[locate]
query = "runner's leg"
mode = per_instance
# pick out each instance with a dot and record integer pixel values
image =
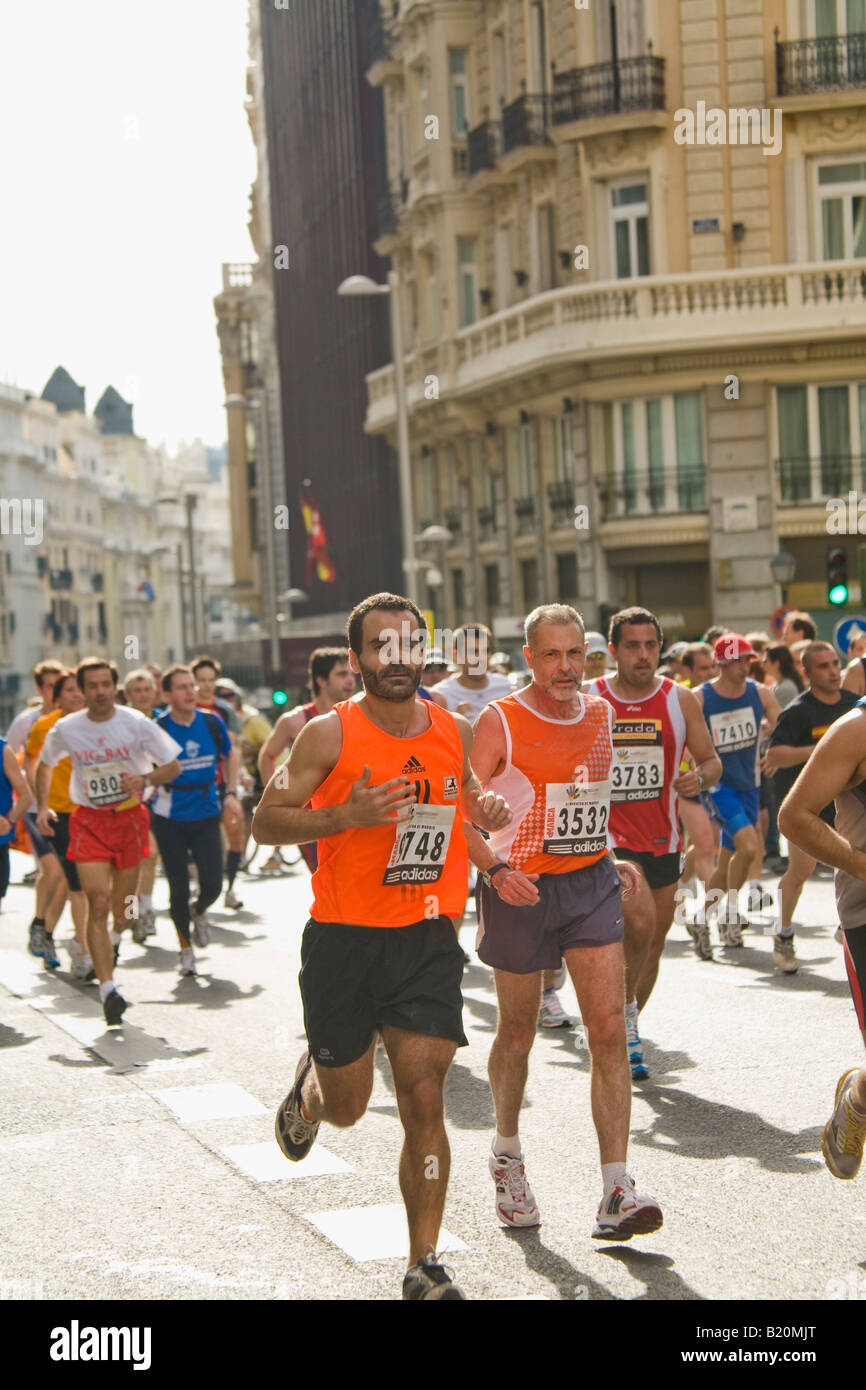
(339, 1095)
(205, 843)
(598, 973)
(419, 1066)
(124, 900)
(639, 914)
(700, 832)
(96, 883)
(508, 1066)
(171, 837)
(664, 900)
(800, 868)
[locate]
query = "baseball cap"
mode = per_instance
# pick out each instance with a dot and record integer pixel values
(674, 650)
(224, 683)
(595, 643)
(730, 646)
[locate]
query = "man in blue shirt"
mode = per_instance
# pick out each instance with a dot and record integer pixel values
(185, 813)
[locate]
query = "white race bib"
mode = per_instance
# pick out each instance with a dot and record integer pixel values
(102, 784)
(734, 728)
(637, 774)
(575, 817)
(420, 845)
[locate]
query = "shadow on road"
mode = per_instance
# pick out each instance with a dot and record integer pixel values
(10, 1037)
(570, 1283)
(655, 1271)
(468, 1101)
(208, 992)
(703, 1128)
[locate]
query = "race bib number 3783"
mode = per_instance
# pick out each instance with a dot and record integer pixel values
(575, 817)
(420, 845)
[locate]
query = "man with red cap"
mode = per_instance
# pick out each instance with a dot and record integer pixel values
(734, 707)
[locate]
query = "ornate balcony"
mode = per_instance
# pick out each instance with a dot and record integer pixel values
(816, 479)
(485, 146)
(560, 496)
(607, 89)
(526, 121)
(678, 489)
(524, 510)
(486, 523)
(807, 66)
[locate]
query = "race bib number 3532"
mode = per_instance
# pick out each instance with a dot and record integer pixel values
(575, 817)
(420, 845)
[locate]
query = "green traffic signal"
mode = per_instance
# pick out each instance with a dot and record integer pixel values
(838, 594)
(280, 697)
(837, 576)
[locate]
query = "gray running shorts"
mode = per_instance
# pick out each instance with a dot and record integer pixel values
(581, 908)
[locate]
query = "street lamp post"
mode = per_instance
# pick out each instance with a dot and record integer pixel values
(256, 404)
(363, 285)
(189, 502)
(783, 567)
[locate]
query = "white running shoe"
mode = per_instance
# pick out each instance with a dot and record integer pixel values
(845, 1133)
(731, 933)
(623, 1214)
(515, 1204)
(560, 976)
(784, 954)
(148, 918)
(200, 928)
(187, 961)
(552, 1014)
(80, 964)
(231, 899)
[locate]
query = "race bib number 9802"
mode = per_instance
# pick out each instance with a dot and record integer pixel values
(734, 728)
(102, 784)
(575, 817)
(420, 845)
(637, 774)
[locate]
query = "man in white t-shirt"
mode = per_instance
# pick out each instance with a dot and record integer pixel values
(113, 750)
(472, 687)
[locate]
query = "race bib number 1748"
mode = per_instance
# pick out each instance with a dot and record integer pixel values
(420, 845)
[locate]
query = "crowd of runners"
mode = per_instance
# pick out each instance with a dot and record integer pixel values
(623, 787)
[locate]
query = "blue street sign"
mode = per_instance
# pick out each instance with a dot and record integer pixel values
(845, 632)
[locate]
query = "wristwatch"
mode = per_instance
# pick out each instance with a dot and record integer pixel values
(701, 782)
(487, 874)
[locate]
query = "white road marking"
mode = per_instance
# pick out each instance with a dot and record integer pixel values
(219, 1102)
(265, 1162)
(373, 1233)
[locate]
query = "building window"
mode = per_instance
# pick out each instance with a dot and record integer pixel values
(426, 506)
(529, 583)
(459, 92)
(629, 217)
(638, 436)
(842, 197)
(491, 587)
(458, 594)
(822, 435)
(563, 448)
(544, 239)
(504, 264)
(468, 289)
(566, 577)
(498, 71)
(432, 282)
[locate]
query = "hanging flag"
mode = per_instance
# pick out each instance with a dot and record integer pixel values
(317, 541)
(146, 588)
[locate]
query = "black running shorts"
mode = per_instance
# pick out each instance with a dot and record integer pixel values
(357, 979)
(660, 870)
(580, 908)
(855, 964)
(60, 844)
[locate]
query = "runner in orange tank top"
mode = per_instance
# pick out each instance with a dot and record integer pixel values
(389, 785)
(549, 749)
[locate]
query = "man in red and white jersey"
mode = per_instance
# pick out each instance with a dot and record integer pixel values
(655, 718)
(551, 891)
(113, 750)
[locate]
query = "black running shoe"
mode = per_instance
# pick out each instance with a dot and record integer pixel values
(113, 1006)
(430, 1279)
(295, 1134)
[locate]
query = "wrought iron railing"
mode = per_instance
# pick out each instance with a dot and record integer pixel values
(484, 146)
(560, 495)
(814, 480)
(526, 121)
(389, 206)
(676, 490)
(524, 510)
(454, 520)
(486, 523)
(833, 64)
(631, 84)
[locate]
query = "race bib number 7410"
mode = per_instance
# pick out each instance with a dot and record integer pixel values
(575, 817)
(420, 845)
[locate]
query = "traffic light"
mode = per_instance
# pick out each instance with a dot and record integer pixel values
(280, 698)
(837, 575)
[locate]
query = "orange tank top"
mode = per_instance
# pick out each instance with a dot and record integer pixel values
(557, 782)
(390, 876)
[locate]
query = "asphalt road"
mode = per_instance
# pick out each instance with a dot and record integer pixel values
(139, 1163)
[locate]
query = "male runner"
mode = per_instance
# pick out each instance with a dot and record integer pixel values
(837, 770)
(798, 627)
(15, 795)
(141, 694)
(472, 686)
(548, 749)
(49, 877)
(113, 751)
(185, 813)
(331, 679)
(698, 665)
(801, 724)
(206, 670)
(734, 707)
(655, 719)
(387, 778)
(68, 699)
(855, 672)
(255, 732)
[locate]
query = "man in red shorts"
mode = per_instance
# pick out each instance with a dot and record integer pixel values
(113, 751)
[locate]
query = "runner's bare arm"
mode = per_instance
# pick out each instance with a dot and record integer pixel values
(488, 746)
(512, 885)
(772, 708)
(784, 755)
(438, 700)
(21, 788)
(43, 782)
(488, 810)
(835, 765)
(135, 782)
(699, 745)
(282, 735)
(854, 679)
(282, 817)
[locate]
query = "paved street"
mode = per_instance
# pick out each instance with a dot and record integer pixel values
(141, 1163)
